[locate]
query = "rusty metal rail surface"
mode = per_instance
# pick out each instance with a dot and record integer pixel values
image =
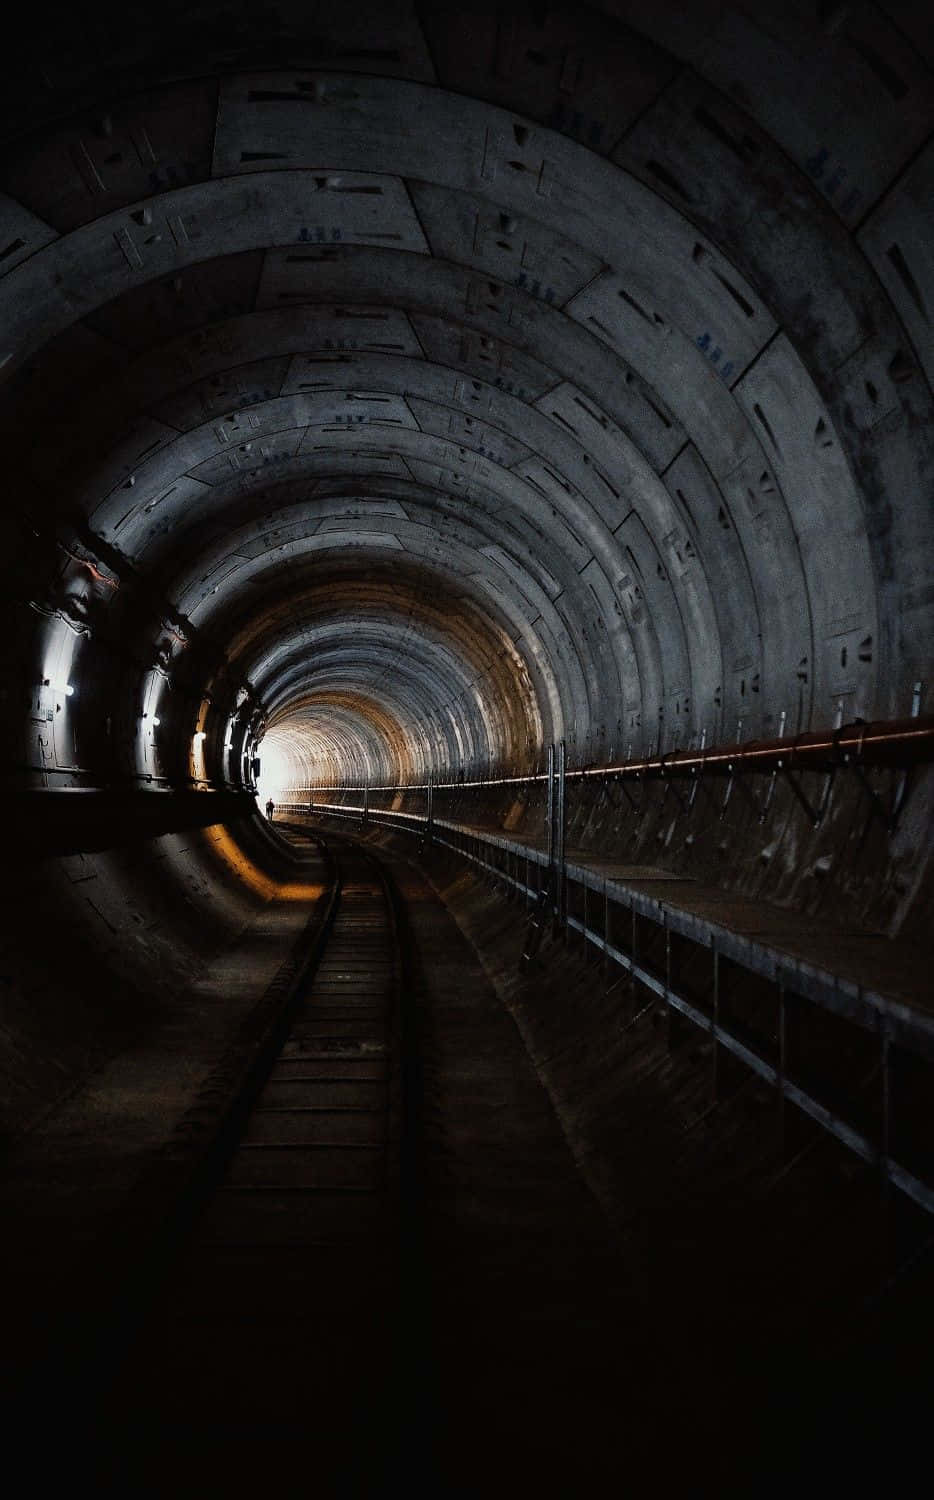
(894, 1041)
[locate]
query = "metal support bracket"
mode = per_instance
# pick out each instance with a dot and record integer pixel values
(750, 796)
(877, 808)
(693, 797)
(767, 800)
(682, 801)
(636, 806)
(901, 797)
(815, 814)
(703, 785)
(536, 924)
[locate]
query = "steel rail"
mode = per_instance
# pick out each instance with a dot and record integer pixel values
(157, 1213)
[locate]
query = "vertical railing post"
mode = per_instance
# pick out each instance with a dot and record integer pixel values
(783, 1108)
(632, 951)
(546, 902)
(560, 829)
(669, 1008)
(888, 1124)
(366, 803)
(885, 1134)
(715, 1050)
(551, 877)
(606, 928)
(550, 808)
(431, 809)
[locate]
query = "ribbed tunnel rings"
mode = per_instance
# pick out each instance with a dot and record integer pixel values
(412, 432)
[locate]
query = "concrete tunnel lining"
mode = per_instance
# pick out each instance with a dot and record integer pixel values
(390, 393)
(675, 544)
(646, 393)
(732, 300)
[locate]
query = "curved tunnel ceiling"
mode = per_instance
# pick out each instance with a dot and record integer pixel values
(416, 388)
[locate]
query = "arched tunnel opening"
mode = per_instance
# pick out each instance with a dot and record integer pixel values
(466, 692)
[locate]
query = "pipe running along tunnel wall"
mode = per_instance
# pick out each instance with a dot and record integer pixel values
(391, 390)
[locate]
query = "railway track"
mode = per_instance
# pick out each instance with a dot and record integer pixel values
(320, 1128)
(389, 1269)
(287, 1317)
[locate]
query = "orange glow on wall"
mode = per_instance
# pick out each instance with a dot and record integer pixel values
(228, 851)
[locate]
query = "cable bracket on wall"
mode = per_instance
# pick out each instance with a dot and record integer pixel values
(815, 814)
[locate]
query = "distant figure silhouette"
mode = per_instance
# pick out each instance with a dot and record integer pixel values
(270, 809)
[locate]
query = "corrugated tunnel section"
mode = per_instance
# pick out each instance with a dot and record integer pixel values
(391, 393)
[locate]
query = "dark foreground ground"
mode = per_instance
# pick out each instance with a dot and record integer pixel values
(603, 1278)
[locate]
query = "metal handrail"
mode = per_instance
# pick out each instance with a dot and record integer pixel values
(884, 742)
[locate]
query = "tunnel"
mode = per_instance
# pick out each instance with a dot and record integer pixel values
(470, 474)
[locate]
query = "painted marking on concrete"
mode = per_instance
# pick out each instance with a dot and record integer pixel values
(714, 353)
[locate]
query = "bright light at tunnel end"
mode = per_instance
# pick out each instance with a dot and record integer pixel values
(276, 770)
